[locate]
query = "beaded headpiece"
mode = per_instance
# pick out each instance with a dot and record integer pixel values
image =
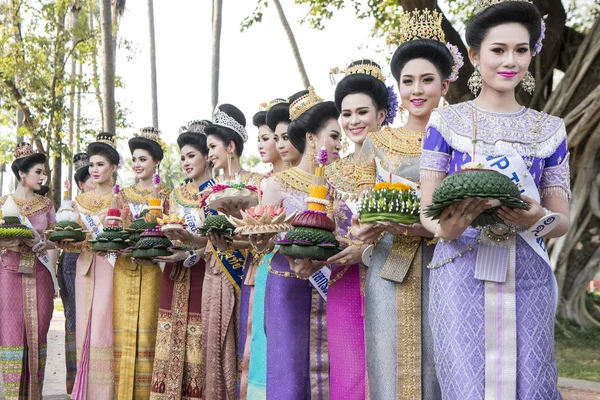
(267, 106)
(223, 119)
(107, 139)
(362, 67)
(426, 24)
(304, 103)
(153, 134)
(80, 160)
(22, 150)
(197, 126)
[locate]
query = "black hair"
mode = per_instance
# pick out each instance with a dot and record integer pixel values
(310, 120)
(277, 114)
(259, 119)
(362, 83)
(227, 135)
(428, 49)
(43, 190)
(104, 149)
(151, 146)
(521, 12)
(196, 140)
(26, 163)
(82, 175)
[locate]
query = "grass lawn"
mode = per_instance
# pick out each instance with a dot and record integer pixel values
(578, 356)
(58, 305)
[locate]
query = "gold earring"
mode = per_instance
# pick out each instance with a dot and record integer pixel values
(312, 155)
(345, 145)
(112, 181)
(475, 81)
(402, 110)
(444, 102)
(528, 83)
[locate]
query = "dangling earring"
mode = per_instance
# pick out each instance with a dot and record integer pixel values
(112, 181)
(345, 145)
(444, 102)
(312, 154)
(528, 83)
(401, 109)
(475, 81)
(229, 160)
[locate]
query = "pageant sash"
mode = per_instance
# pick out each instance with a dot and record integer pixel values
(320, 280)
(43, 256)
(92, 223)
(192, 218)
(136, 209)
(231, 265)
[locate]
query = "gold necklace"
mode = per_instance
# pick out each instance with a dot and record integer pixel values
(296, 178)
(399, 140)
(93, 203)
(187, 196)
(350, 177)
(138, 195)
(32, 205)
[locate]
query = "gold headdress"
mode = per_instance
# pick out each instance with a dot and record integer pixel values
(304, 103)
(108, 139)
(363, 66)
(481, 5)
(22, 150)
(267, 106)
(419, 24)
(153, 134)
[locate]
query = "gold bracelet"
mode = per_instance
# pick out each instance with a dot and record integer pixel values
(284, 274)
(339, 276)
(352, 242)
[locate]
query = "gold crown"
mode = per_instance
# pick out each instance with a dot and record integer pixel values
(419, 24)
(362, 67)
(304, 103)
(23, 149)
(267, 106)
(107, 139)
(153, 134)
(481, 5)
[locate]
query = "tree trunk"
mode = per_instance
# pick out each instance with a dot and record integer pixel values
(78, 117)
(108, 67)
(96, 75)
(73, 75)
(153, 82)
(295, 50)
(217, 19)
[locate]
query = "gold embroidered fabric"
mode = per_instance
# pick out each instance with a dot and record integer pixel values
(401, 257)
(138, 195)
(295, 178)
(92, 203)
(350, 177)
(398, 146)
(187, 196)
(30, 206)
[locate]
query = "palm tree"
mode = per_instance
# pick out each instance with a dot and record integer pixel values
(217, 17)
(108, 67)
(288, 31)
(153, 64)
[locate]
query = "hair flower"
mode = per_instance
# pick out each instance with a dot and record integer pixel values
(458, 61)
(156, 179)
(539, 44)
(392, 108)
(116, 189)
(322, 156)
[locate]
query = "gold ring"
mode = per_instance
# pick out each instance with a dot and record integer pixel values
(344, 260)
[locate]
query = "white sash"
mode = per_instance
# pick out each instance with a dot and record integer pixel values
(136, 209)
(43, 256)
(320, 280)
(92, 223)
(192, 218)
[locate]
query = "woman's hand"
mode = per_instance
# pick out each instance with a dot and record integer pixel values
(367, 233)
(9, 243)
(63, 244)
(455, 219)
(125, 252)
(143, 261)
(220, 241)
(261, 241)
(520, 217)
(178, 255)
(415, 229)
(177, 234)
(348, 256)
(304, 267)
(34, 240)
(232, 208)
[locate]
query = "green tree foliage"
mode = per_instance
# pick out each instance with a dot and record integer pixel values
(249, 162)
(172, 173)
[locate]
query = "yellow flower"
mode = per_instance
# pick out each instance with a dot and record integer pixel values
(392, 186)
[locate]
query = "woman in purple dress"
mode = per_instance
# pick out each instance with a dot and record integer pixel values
(297, 355)
(493, 294)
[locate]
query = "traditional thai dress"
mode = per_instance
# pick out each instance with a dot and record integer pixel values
(399, 343)
(135, 308)
(67, 270)
(221, 318)
(94, 303)
(347, 177)
(492, 309)
(178, 364)
(254, 348)
(26, 305)
(295, 324)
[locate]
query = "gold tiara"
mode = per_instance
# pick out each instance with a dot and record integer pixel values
(267, 106)
(419, 24)
(107, 139)
(153, 134)
(362, 67)
(481, 5)
(304, 103)
(23, 149)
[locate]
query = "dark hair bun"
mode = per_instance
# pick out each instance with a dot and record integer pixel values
(82, 175)
(362, 83)
(278, 113)
(26, 163)
(521, 12)
(225, 134)
(428, 49)
(196, 140)
(311, 120)
(102, 148)
(259, 119)
(151, 146)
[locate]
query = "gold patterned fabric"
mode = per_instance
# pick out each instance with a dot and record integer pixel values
(135, 309)
(351, 177)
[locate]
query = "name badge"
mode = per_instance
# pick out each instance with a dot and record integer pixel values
(191, 260)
